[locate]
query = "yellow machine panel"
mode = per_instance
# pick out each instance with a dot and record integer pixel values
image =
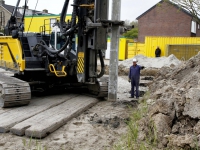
(11, 54)
(80, 67)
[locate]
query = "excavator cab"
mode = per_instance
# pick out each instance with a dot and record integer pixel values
(57, 40)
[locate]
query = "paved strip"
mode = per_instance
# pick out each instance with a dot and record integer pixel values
(16, 115)
(39, 126)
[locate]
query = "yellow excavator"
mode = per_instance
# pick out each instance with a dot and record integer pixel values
(38, 64)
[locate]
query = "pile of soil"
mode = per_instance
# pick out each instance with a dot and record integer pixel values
(157, 62)
(151, 64)
(175, 112)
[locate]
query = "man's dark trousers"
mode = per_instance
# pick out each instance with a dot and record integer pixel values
(134, 86)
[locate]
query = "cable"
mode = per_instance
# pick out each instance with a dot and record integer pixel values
(49, 51)
(32, 17)
(63, 15)
(24, 12)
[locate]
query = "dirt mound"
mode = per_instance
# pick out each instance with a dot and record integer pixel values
(151, 64)
(157, 62)
(176, 112)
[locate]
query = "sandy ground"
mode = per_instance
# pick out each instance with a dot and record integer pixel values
(98, 128)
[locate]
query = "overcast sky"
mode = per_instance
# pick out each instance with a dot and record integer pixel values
(130, 9)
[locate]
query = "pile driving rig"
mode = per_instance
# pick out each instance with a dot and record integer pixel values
(37, 63)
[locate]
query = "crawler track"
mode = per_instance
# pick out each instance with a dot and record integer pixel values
(13, 92)
(100, 89)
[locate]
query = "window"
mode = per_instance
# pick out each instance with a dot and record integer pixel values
(198, 27)
(52, 21)
(193, 27)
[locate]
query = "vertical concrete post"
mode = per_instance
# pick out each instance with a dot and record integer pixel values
(113, 70)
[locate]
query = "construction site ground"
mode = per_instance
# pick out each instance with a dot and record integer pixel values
(66, 120)
(95, 128)
(69, 120)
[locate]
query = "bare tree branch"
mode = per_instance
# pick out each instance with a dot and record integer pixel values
(192, 6)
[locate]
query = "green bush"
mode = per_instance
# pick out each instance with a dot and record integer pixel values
(132, 33)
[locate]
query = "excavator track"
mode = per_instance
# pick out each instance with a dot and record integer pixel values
(13, 92)
(100, 89)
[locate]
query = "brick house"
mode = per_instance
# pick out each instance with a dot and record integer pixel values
(167, 19)
(6, 11)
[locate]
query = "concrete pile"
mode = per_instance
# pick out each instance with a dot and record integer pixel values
(174, 110)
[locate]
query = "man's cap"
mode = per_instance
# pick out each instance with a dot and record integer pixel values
(134, 60)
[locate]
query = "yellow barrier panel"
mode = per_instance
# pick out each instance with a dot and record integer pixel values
(123, 48)
(135, 49)
(33, 24)
(151, 43)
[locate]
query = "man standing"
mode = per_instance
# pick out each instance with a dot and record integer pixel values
(134, 78)
(157, 52)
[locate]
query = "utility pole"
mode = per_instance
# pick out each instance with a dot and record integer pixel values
(113, 70)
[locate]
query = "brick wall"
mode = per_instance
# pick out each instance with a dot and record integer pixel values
(164, 20)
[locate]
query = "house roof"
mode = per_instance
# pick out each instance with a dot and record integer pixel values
(42, 13)
(178, 7)
(10, 9)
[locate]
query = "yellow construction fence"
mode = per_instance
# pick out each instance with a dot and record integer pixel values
(182, 47)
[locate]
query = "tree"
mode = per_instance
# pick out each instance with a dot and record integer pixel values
(192, 6)
(135, 23)
(127, 22)
(133, 33)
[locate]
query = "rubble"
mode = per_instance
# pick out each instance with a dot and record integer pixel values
(181, 141)
(175, 110)
(151, 65)
(158, 62)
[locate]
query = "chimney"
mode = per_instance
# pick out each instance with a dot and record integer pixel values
(2, 2)
(45, 11)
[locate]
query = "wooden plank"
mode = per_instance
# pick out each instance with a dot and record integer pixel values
(39, 126)
(15, 115)
(3, 110)
(34, 100)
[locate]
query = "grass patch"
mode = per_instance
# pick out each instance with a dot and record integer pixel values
(33, 144)
(130, 141)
